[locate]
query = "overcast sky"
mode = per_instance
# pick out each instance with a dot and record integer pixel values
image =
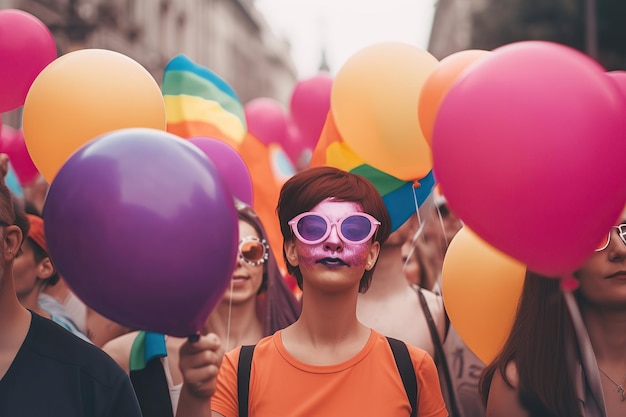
(343, 27)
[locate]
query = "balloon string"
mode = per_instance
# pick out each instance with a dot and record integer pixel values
(416, 184)
(443, 226)
(230, 309)
(420, 227)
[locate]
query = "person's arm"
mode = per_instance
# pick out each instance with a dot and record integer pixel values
(119, 349)
(199, 363)
(503, 400)
(4, 166)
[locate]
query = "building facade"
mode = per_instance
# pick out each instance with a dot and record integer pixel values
(230, 37)
(452, 28)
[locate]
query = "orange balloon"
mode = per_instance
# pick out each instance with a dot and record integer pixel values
(439, 82)
(481, 289)
(374, 99)
(82, 95)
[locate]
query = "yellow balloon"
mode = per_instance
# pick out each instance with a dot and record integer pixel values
(481, 289)
(82, 95)
(374, 100)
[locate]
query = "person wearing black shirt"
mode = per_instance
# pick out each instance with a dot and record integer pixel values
(44, 369)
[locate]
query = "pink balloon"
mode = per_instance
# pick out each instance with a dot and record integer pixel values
(294, 144)
(26, 47)
(266, 120)
(310, 102)
(230, 166)
(12, 143)
(527, 149)
(620, 80)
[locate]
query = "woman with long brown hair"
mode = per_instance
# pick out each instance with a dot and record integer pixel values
(566, 353)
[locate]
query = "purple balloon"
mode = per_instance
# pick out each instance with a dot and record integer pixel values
(144, 230)
(230, 165)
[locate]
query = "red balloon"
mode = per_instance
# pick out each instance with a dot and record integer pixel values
(26, 48)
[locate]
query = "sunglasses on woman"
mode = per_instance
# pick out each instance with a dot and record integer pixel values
(312, 228)
(253, 250)
(621, 232)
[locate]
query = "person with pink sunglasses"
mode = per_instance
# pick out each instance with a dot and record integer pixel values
(327, 363)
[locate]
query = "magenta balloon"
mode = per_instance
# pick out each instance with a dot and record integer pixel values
(12, 143)
(26, 47)
(619, 77)
(230, 165)
(310, 102)
(527, 149)
(294, 144)
(144, 230)
(266, 120)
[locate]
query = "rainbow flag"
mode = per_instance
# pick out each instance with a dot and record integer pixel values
(399, 196)
(200, 103)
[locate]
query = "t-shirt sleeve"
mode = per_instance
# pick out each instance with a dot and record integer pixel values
(430, 399)
(224, 401)
(124, 401)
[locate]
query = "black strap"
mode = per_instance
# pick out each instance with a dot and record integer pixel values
(406, 370)
(400, 354)
(151, 388)
(243, 378)
(440, 357)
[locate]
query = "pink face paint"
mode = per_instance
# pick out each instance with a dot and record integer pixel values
(334, 252)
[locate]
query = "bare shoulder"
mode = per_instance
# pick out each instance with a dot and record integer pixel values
(435, 302)
(503, 399)
(437, 311)
(119, 349)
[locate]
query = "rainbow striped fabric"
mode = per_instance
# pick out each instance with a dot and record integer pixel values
(400, 197)
(200, 103)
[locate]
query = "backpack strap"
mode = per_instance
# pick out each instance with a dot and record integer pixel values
(406, 370)
(153, 394)
(243, 378)
(440, 357)
(148, 375)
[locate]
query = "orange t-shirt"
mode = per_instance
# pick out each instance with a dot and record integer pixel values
(366, 385)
